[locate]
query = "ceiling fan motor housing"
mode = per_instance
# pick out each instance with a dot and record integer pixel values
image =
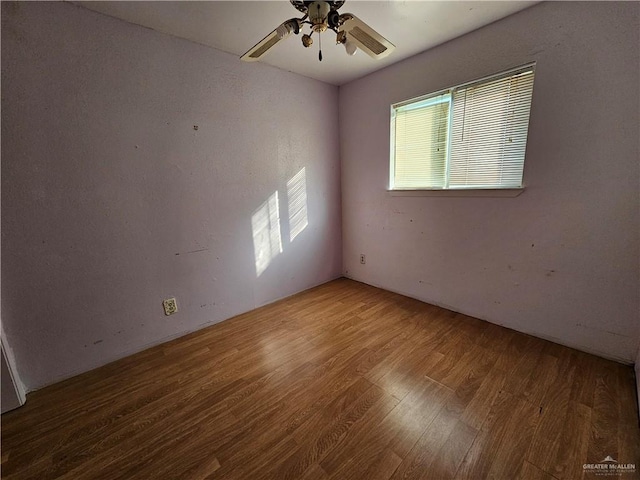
(318, 13)
(333, 19)
(303, 5)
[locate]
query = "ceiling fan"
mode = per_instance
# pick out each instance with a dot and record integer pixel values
(351, 32)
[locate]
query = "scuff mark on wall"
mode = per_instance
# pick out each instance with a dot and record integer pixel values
(601, 330)
(193, 251)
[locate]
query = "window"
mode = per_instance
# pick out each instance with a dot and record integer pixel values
(472, 136)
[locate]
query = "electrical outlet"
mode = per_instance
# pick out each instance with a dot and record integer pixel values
(170, 306)
(363, 258)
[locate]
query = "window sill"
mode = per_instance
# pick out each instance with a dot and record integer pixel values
(466, 192)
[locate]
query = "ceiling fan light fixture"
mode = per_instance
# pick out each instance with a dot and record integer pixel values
(307, 41)
(282, 31)
(287, 28)
(350, 47)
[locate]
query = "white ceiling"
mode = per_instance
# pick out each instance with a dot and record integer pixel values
(235, 26)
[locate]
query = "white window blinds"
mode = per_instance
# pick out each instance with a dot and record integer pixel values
(421, 131)
(489, 133)
(470, 136)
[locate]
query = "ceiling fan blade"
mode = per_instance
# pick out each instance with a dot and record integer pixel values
(285, 29)
(365, 37)
(260, 48)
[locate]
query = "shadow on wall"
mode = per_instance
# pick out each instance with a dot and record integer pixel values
(265, 221)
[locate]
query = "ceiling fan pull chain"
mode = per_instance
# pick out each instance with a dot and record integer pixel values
(320, 45)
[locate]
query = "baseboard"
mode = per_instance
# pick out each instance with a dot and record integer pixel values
(160, 341)
(543, 336)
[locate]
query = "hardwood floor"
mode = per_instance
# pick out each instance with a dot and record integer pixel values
(344, 381)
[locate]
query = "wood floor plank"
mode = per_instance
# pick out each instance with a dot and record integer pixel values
(343, 381)
(440, 450)
(325, 409)
(447, 461)
(499, 447)
(628, 444)
(574, 441)
(315, 472)
(554, 406)
(605, 420)
(516, 439)
(540, 380)
(377, 466)
(531, 472)
(479, 405)
(362, 433)
(406, 423)
(317, 445)
(256, 462)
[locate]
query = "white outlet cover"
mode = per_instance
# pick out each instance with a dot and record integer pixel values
(170, 306)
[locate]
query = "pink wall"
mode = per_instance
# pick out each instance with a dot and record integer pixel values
(112, 201)
(561, 260)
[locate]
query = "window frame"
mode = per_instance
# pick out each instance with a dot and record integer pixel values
(446, 190)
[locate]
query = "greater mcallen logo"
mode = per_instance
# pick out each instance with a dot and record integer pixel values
(609, 467)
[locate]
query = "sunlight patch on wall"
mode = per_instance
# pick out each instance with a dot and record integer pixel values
(265, 224)
(297, 197)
